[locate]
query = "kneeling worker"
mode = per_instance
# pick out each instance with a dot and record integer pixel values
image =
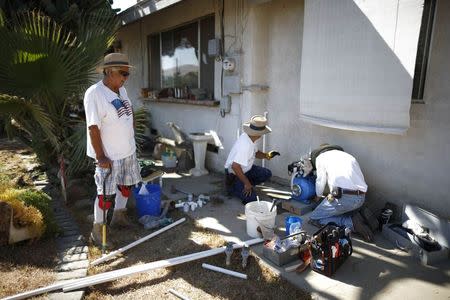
(345, 180)
(241, 174)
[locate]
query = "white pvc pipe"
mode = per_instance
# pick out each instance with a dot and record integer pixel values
(225, 271)
(263, 161)
(181, 296)
(39, 291)
(141, 240)
(113, 275)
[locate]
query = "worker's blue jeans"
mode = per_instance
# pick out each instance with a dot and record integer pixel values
(256, 175)
(338, 211)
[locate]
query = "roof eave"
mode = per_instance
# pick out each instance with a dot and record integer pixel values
(143, 9)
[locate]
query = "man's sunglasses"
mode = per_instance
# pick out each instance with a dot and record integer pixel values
(124, 73)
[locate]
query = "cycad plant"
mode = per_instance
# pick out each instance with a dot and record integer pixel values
(44, 70)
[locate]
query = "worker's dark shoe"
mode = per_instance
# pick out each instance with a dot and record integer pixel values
(369, 218)
(362, 229)
(120, 218)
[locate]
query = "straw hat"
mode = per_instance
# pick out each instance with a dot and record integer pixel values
(257, 126)
(114, 60)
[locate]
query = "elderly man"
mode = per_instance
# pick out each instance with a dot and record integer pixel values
(347, 187)
(110, 141)
(241, 174)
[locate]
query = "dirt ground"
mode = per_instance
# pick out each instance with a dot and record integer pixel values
(31, 265)
(25, 265)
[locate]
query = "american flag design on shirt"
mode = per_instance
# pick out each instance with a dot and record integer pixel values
(122, 107)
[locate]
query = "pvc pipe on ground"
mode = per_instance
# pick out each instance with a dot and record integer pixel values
(39, 291)
(113, 275)
(181, 296)
(225, 271)
(141, 240)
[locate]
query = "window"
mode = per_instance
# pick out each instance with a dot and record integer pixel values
(423, 49)
(178, 59)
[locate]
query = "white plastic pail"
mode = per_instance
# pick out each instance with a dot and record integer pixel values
(259, 214)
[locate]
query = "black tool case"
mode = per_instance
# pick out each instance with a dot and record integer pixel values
(330, 247)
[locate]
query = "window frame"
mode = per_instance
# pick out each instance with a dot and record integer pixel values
(197, 21)
(418, 88)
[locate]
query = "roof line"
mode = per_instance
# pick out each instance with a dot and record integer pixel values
(143, 9)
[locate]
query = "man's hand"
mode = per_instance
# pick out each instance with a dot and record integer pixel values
(330, 197)
(248, 188)
(104, 162)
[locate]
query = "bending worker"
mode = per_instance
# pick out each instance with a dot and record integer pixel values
(347, 187)
(241, 174)
(110, 141)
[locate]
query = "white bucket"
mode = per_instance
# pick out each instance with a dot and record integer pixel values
(259, 214)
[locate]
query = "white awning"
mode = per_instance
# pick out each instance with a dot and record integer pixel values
(358, 62)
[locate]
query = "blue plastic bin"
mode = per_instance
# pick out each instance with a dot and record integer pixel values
(291, 220)
(148, 204)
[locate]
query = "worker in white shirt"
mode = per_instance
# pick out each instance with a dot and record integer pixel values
(241, 174)
(347, 187)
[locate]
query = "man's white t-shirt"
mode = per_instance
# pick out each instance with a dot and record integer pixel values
(114, 118)
(243, 152)
(338, 169)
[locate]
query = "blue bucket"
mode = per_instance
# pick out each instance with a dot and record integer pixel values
(291, 220)
(148, 204)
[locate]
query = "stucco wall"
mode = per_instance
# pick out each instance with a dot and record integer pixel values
(411, 168)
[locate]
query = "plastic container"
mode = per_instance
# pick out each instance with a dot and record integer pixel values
(292, 222)
(149, 204)
(259, 214)
(305, 188)
(169, 160)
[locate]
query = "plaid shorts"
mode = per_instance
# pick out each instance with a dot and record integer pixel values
(123, 172)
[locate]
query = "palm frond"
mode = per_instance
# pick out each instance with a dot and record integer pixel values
(31, 117)
(46, 67)
(77, 146)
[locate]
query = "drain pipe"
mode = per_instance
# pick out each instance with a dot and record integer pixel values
(225, 271)
(264, 143)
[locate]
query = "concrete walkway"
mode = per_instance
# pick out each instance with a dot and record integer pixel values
(374, 271)
(72, 253)
(72, 260)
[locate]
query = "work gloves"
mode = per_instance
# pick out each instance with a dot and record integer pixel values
(272, 154)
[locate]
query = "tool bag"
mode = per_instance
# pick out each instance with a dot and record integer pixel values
(330, 247)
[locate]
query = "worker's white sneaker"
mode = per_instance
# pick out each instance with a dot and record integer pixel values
(120, 218)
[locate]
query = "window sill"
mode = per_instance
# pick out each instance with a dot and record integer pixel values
(183, 101)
